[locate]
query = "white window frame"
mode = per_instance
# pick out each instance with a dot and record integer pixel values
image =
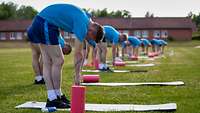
(156, 34)
(137, 33)
(12, 36)
(164, 34)
(125, 32)
(145, 34)
(19, 35)
(2, 36)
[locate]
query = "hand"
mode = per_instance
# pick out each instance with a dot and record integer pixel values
(77, 80)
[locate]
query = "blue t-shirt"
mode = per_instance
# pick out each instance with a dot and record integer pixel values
(111, 34)
(67, 17)
(162, 42)
(135, 42)
(145, 42)
(155, 42)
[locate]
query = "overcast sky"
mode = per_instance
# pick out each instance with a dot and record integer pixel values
(138, 8)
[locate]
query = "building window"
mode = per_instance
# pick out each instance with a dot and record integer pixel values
(2, 36)
(137, 33)
(125, 32)
(12, 35)
(145, 34)
(164, 34)
(19, 35)
(156, 34)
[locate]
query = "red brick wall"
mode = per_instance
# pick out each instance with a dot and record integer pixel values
(180, 35)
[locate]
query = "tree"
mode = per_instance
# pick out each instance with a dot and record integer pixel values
(11, 11)
(149, 15)
(106, 13)
(26, 12)
(7, 10)
(195, 18)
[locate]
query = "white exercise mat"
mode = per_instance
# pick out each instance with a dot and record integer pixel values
(115, 71)
(142, 65)
(176, 83)
(108, 107)
(127, 62)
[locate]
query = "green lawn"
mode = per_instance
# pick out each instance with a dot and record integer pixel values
(17, 87)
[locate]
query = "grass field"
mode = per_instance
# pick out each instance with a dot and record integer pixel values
(17, 87)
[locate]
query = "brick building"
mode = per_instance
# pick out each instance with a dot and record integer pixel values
(178, 28)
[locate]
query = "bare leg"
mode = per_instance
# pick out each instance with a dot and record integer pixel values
(57, 57)
(47, 67)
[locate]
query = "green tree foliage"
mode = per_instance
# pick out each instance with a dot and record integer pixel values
(195, 18)
(7, 10)
(105, 13)
(11, 11)
(26, 12)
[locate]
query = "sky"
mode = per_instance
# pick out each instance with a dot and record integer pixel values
(138, 8)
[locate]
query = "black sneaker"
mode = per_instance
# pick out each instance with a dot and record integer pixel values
(64, 99)
(57, 103)
(39, 82)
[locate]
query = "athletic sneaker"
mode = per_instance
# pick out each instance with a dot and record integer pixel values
(39, 82)
(57, 103)
(64, 99)
(106, 69)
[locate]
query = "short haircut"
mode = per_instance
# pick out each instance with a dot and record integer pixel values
(99, 32)
(69, 49)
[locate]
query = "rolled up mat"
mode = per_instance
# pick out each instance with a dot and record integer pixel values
(90, 78)
(78, 99)
(119, 64)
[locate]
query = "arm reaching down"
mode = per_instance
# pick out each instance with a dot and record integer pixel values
(78, 61)
(113, 53)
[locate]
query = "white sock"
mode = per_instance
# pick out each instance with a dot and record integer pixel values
(58, 92)
(51, 95)
(85, 62)
(38, 78)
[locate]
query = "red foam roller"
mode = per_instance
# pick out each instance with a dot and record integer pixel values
(119, 63)
(78, 99)
(90, 78)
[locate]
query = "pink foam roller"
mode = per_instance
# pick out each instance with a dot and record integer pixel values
(90, 78)
(134, 58)
(78, 99)
(119, 63)
(151, 55)
(96, 63)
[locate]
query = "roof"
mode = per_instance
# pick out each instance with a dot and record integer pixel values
(14, 25)
(118, 23)
(148, 23)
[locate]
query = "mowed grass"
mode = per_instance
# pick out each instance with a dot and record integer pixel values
(16, 86)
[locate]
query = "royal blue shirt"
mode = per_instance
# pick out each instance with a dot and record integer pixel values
(111, 34)
(67, 17)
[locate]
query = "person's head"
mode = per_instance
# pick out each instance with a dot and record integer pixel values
(123, 37)
(66, 49)
(95, 32)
